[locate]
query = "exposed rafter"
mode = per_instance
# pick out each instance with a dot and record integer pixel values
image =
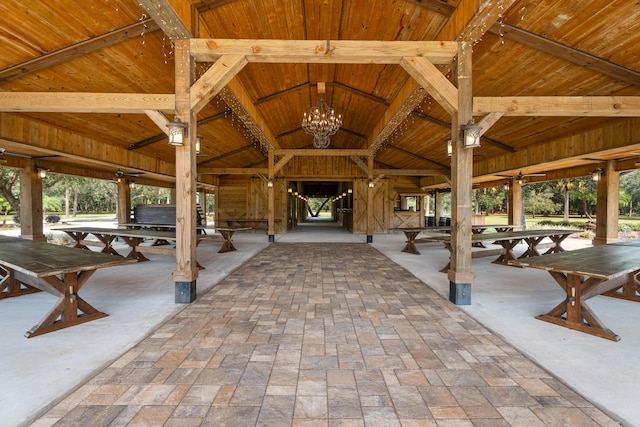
(76, 50)
(166, 18)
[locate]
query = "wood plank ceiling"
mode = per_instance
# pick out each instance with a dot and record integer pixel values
(543, 48)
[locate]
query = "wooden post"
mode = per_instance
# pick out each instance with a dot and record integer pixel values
(370, 193)
(124, 201)
(515, 213)
(607, 205)
(460, 275)
(202, 200)
(31, 216)
(271, 197)
(186, 266)
(437, 210)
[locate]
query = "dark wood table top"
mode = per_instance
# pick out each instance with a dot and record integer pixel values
(42, 259)
(602, 261)
(504, 235)
(127, 232)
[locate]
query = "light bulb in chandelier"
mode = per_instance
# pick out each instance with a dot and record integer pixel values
(321, 123)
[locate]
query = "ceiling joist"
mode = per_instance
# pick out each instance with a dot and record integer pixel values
(324, 51)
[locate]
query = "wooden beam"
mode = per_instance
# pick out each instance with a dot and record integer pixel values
(67, 144)
(283, 161)
(484, 138)
(568, 53)
(84, 102)
(408, 98)
(159, 119)
(214, 79)
(417, 156)
(360, 163)
(472, 19)
(411, 172)
(437, 6)
(233, 171)
(435, 83)
(488, 121)
(579, 106)
(238, 99)
(325, 152)
(206, 5)
(166, 18)
(76, 50)
(324, 51)
(615, 140)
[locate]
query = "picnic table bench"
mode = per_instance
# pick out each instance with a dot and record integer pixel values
(509, 239)
(585, 273)
(28, 266)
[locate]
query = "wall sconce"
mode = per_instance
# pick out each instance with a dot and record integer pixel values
(371, 183)
(596, 174)
(449, 143)
(177, 132)
(506, 186)
(198, 144)
(270, 183)
(471, 134)
(289, 190)
(42, 172)
(350, 190)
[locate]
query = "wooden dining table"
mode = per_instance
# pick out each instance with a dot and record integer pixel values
(411, 234)
(585, 273)
(510, 239)
(61, 271)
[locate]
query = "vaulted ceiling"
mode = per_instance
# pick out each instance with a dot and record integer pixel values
(546, 48)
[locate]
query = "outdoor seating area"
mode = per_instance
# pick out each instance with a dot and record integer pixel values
(320, 214)
(544, 343)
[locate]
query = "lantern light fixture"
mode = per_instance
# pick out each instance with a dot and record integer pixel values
(198, 144)
(42, 172)
(177, 132)
(596, 174)
(471, 134)
(449, 143)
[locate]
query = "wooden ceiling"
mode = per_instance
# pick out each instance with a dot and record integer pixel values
(521, 48)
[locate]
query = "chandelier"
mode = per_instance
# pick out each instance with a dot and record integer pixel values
(321, 123)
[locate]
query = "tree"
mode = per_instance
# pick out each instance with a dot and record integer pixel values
(630, 183)
(9, 190)
(539, 201)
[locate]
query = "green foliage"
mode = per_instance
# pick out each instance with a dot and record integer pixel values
(52, 219)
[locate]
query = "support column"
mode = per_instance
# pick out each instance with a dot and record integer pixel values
(31, 216)
(186, 271)
(437, 209)
(202, 199)
(124, 201)
(460, 275)
(607, 205)
(271, 198)
(516, 212)
(370, 193)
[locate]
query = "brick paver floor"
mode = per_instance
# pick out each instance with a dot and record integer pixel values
(331, 334)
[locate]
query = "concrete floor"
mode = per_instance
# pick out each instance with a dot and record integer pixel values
(38, 372)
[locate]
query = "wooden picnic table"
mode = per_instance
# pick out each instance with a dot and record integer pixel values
(158, 227)
(583, 274)
(133, 239)
(227, 234)
(411, 234)
(509, 239)
(29, 266)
